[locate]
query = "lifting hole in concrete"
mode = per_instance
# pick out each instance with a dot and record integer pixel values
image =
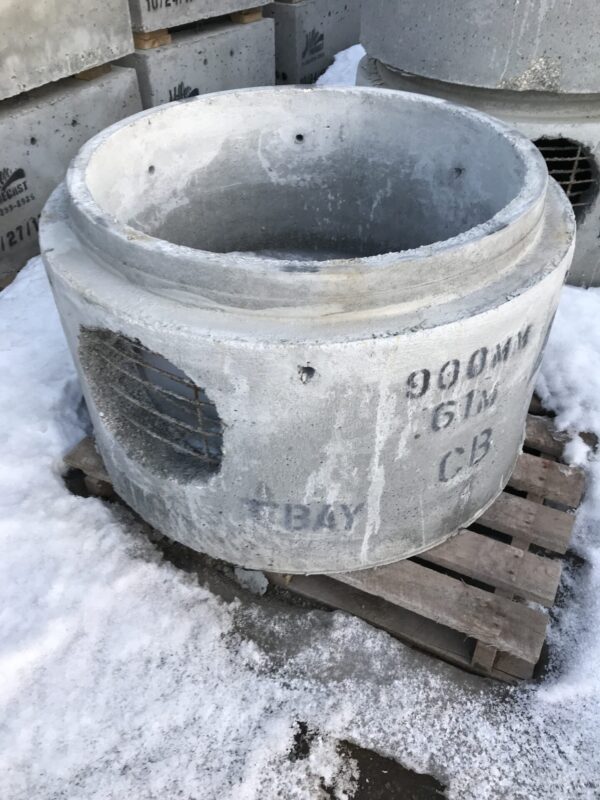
(151, 169)
(306, 373)
(299, 137)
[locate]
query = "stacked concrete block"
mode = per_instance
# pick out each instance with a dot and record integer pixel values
(308, 34)
(45, 40)
(41, 131)
(152, 15)
(216, 56)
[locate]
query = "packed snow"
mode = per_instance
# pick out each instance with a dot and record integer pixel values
(125, 677)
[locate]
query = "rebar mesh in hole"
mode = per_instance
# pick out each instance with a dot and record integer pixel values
(154, 409)
(573, 166)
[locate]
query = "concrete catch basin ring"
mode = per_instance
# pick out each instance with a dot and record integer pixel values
(308, 321)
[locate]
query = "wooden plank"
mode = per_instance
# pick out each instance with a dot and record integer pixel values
(511, 627)
(484, 657)
(247, 16)
(405, 625)
(500, 565)
(536, 407)
(85, 457)
(148, 40)
(541, 525)
(540, 434)
(554, 481)
(6, 280)
(93, 72)
(509, 668)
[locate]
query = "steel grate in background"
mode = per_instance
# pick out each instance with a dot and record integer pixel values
(155, 409)
(572, 165)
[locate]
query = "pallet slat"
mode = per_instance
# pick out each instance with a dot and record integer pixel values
(499, 565)
(541, 435)
(554, 481)
(511, 627)
(411, 628)
(524, 519)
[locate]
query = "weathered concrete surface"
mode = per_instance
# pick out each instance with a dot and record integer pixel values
(519, 45)
(372, 402)
(150, 15)
(309, 33)
(40, 133)
(44, 40)
(536, 115)
(219, 56)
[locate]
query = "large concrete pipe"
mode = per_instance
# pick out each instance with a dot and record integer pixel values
(308, 321)
(533, 64)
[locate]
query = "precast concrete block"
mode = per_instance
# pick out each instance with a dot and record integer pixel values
(493, 44)
(308, 322)
(217, 56)
(565, 127)
(308, 34)
(45, 40)
(41, 131)
(152, 15)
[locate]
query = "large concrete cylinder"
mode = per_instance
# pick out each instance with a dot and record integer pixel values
(533, 64)
(566, 129)
(308, 321)
(521, 45)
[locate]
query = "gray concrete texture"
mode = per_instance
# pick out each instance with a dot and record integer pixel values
(309, 33)
(152, 15)
(537, 115)
(216, 57)
(518, 45)
(45, 40)
(358, 283)
(41, 131)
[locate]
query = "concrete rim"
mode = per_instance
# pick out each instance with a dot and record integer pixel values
(88, 216)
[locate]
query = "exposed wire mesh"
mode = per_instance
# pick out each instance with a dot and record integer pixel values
(155, 410)
(572, 165)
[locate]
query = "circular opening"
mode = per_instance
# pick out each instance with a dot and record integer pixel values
(573, 166)
(155, 410)
(378, 172)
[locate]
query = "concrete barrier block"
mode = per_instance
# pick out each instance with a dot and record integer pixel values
(151, 15)
(219, 56)
(309, 33)
(46, 40)
(41, 132)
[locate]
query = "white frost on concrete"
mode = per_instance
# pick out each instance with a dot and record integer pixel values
(122, 677)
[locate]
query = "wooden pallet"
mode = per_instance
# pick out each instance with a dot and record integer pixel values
(148, 40)
(475, 600)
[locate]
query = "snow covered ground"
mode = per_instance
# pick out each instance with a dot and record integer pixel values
(123, 677)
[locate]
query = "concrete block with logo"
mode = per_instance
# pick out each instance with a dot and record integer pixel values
(45, 40)
(308, 34)
(211, 58)
(41, 131)
(151, 15)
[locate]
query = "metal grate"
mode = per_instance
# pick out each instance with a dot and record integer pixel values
(572, 165)
(155, 410)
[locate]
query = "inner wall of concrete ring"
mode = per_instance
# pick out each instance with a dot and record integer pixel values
(537, 115)
(494, 44)
(422, 362)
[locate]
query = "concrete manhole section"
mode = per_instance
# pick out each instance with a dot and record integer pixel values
(308, 322)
